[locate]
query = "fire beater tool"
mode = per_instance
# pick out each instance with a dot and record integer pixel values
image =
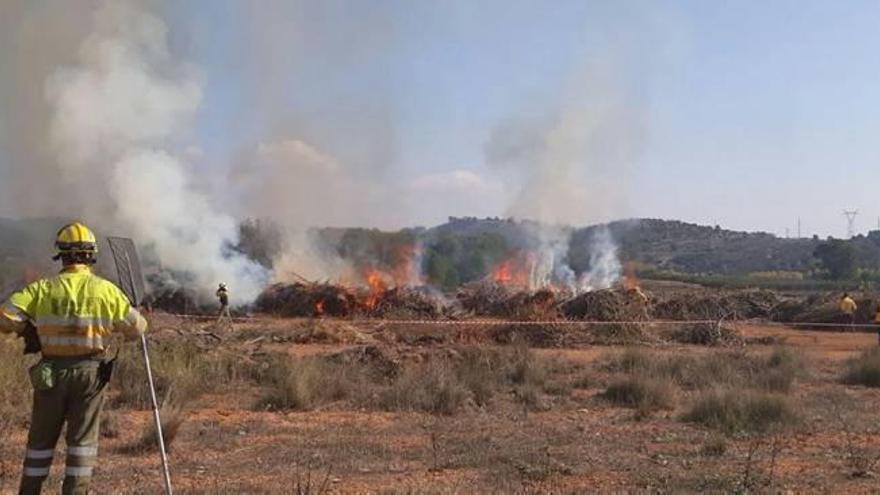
(131, 281)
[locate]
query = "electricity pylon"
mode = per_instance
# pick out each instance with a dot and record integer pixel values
(850, 222)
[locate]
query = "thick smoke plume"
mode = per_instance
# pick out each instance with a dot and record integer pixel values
(116, 113)
(104, 113)
(571, 168)
(301, 187)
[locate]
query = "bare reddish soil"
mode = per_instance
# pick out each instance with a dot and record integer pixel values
(576, 444)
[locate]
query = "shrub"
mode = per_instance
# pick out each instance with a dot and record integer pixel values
(172, 414)
(715, 446)
(431, 387)
(633, 360)
(740, 411)
(110, 423)
(560, 388)
(13, 373)
(864, 369)
(304, 384)
(641, 392)
(726, 369)
(481, 371)
(778, 372)
(525, 368)
(529, 396)
(15, 388)
(181, 365)
(584, 380)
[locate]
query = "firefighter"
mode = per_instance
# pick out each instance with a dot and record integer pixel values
(74, 313)
(223, 297)
(877, 321)
(848, 308)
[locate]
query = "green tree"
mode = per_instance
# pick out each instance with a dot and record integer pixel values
(838, 257)
(439, 262)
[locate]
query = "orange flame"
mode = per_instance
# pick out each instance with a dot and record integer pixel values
(377, 286)
(630, 280)
(406, 270)
(515, 270)
(319, 307)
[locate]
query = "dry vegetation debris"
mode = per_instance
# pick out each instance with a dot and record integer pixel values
(432, 414)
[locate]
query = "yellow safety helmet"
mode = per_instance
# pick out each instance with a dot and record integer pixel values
(75, 238)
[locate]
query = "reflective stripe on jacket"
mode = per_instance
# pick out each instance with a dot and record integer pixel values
(74, 312)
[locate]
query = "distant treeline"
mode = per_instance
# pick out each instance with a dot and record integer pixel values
(467, 249)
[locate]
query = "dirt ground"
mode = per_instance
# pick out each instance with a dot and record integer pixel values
(577, 444)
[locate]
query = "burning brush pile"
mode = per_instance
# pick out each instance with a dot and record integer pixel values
(728, 305)
(171, 297)
(377, 300)
(515, 290)
(300, 299)
(490, 298)
(511, 292)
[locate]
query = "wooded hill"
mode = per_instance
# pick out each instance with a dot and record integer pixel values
(466, 249)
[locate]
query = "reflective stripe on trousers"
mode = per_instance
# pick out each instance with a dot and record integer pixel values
(37, 462)
(82, 451)
(40, 454)
(79, 471)
(81, 460)
(36, 472)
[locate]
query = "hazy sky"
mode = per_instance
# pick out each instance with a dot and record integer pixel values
(748, 114)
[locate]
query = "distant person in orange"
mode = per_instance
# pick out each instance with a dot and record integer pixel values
(848, 309)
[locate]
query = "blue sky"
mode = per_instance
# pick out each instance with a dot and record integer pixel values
(756, 113)
(750, 114)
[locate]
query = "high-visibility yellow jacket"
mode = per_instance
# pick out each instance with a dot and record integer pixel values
(73, 312)
(848, 306)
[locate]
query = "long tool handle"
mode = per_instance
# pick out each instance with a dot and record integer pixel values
(156, 416)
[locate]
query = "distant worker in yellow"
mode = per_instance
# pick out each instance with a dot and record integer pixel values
(877, 321)
(75, 313)
(223, 297)
(848, 309)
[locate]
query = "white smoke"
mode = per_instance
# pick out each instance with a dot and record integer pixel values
(572, 168)
(605, 268)
(300, 187)
(116, 114)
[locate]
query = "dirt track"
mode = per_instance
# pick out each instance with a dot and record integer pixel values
(578, 444)
(830, 344)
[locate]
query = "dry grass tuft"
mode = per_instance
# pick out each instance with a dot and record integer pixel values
(432, 387)
(864, 369)
(714, 446)
(110, 424)
(15, 388)
(304, 384)
(172, 414)
(643, 393)
(181, 364)
(441, 384)
(729, 369)
(742, 411)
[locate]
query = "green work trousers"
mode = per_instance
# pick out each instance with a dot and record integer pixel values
(77, 399)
